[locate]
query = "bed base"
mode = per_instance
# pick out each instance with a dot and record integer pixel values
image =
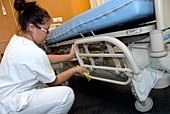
(106, 44)
(109, 59)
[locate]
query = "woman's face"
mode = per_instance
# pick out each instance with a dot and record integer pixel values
(41, 32)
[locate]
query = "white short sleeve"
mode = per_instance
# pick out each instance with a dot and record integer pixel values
(40, 65)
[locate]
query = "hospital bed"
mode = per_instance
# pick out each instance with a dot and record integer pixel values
(118, 42)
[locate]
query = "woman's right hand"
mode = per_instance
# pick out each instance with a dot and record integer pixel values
(81, 70)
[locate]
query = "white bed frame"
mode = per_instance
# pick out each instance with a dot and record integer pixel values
(129, 67)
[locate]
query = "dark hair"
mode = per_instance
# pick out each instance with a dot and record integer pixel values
(30, 13)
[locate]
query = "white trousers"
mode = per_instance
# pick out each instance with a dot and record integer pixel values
(51, 100)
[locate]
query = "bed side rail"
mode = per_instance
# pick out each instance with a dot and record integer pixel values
(84, 50)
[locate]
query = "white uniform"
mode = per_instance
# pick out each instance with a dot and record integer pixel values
(23, 67)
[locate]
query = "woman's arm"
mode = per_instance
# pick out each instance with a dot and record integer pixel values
(64, 76)
(61, 58)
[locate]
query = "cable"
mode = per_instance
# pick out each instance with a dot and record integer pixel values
(16, 23)
(3, 8)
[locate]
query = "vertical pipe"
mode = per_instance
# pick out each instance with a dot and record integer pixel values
(160, 14)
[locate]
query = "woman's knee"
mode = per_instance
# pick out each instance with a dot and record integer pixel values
(68, 101)
(70, 94)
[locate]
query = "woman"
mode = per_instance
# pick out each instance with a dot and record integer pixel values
(25, 67)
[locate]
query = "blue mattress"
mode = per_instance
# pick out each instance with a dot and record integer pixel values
(111, 13)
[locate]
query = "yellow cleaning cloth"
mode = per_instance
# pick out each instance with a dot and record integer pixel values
(86, 74)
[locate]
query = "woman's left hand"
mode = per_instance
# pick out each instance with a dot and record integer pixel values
(72, 54)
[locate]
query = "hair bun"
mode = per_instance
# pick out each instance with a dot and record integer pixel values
(21, 5)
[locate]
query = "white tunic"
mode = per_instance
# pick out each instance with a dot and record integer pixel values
(23, 67)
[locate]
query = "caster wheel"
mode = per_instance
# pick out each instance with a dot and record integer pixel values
(144, 107)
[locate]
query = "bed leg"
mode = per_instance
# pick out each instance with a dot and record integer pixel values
(143, 106)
